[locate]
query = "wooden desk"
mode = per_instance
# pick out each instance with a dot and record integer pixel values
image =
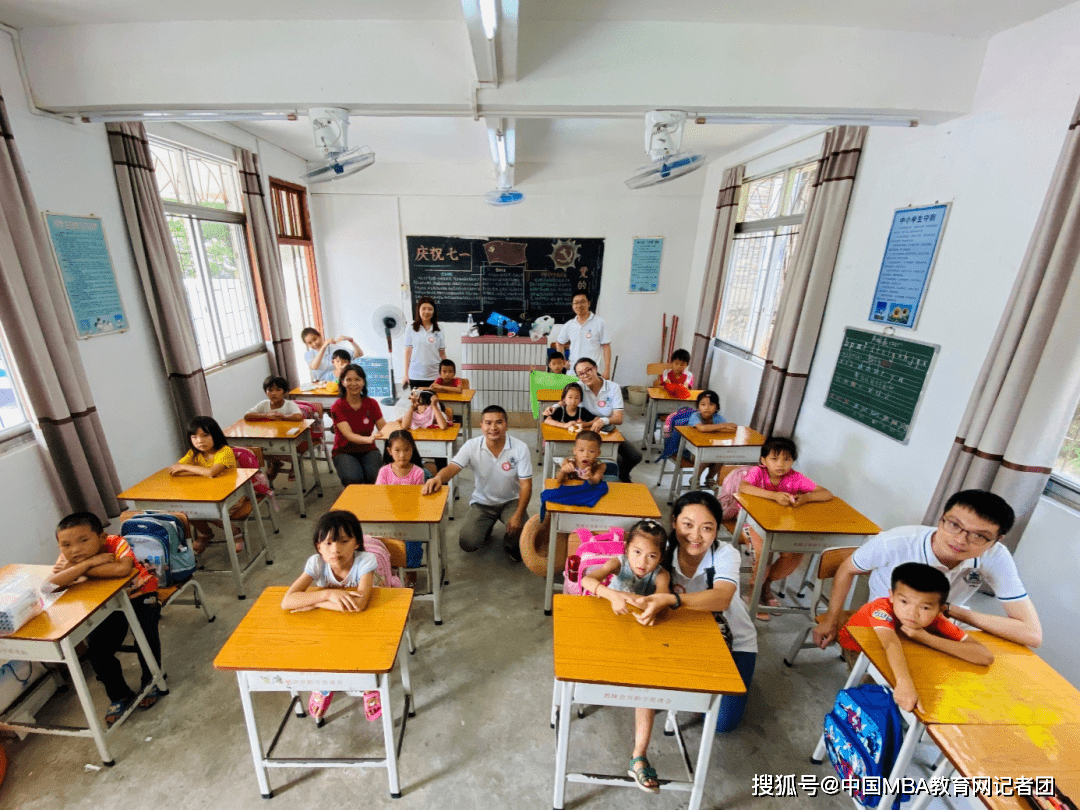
(281, 438)
(465, 398)
(204, 499)
(624, 505)
(560, 442)
(679, 664)
(661, 403)
(391, 510)
(273, 650)
(1033, 751)
(811, 527)
(326, 393)
(739, 446)
(545, 396)
(430, 443)
(52, 636)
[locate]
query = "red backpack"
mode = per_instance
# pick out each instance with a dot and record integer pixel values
(593, 552)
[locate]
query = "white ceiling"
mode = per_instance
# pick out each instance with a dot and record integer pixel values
(973, 18)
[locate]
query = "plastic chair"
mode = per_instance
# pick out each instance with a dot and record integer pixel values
(828, 563)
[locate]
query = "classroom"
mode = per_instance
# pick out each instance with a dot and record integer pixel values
(964, 107)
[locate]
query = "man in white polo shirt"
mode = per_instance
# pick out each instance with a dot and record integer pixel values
(586, 335)
(964, 547)
(502, 471)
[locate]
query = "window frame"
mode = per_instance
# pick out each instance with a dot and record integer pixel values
(20, 434)
(305, 240)
(1061, 488)
(198, 213)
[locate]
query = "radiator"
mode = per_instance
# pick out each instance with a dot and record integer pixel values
(498, 368)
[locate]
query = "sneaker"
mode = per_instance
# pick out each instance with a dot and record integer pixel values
(513, 551)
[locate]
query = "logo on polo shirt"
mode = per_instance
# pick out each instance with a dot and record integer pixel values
(431, 339)
(588, 334)
(507, 465)
(973, 577)
(601, 403)
(364, 421)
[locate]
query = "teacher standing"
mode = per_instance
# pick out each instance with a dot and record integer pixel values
(586, 335)
(425, 346)
(604, 398)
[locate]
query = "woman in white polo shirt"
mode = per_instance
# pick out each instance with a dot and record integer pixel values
(425, 346)
(604, 398)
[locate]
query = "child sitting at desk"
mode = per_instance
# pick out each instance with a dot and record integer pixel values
(708, 419)
(914, 607)
(424, 411)
(274, 408)
(585, 464)
(773, 478)
(636, 571)
(448, 382)
(346, 575)
(556, 363)
(677, 374)
(86, 551)
(569, 412)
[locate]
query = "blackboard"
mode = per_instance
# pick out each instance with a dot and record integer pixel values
(879, 381)
(520, 277)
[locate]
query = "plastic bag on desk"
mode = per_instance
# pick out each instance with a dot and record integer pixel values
(20, 601)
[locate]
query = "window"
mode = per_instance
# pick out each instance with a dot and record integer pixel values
(1065, 476)
(201, 196)
(771, 211)
(12, 416)
(297, 254)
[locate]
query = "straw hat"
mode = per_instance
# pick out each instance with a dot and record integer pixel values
(535, 540)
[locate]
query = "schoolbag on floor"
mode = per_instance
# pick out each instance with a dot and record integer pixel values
(594, 551)
(863, 733)
(157, 541)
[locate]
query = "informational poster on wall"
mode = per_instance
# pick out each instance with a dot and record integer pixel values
(86, 269)
(377, 371)
(645, 265)
(905, 269)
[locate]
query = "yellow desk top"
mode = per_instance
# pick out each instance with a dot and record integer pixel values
(392, 503)
(69, 611)
(661, 393)
(821, 517)
(423, 434)
(1012, 751)
(548, 395)
(1019, 688)
(466, 395)
(683, 650)
(269, 638)
(270, 429)
(739, 437)
(622, 500)
(164, 487)
(550, 433)
(326, 389)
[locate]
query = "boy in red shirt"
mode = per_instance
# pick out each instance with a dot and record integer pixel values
(915, 607)
(86, 551)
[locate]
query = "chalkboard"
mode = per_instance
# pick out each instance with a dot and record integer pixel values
(879, 381)
(377, 370)
(520, 277)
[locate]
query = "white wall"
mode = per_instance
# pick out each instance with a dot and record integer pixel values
(994, 165)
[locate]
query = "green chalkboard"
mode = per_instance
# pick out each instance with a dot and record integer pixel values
(879, 380)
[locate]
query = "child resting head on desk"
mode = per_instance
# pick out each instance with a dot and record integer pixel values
(914, 607)
(346, 575)
(86, 551)
(585, 464)
(636, 571)
(773, 478)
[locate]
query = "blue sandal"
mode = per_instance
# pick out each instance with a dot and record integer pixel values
(645, 774)
(151, 698)
(116, 711)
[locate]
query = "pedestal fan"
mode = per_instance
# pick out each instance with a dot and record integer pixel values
(391, 321)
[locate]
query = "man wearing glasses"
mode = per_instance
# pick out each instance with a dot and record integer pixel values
(964, 547)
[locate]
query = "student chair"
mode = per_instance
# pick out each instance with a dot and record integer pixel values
(652, 371)
(322, 438)
(828, 563)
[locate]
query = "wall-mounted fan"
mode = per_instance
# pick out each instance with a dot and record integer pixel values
(390, 321)
(331, 129)
(663, 140)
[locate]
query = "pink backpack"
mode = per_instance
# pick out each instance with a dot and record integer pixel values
(314, 412)
(384, 572)
(729, 489)
(594, 551)
(246, 460)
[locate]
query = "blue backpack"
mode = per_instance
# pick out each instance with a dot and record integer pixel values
(672, 436)
(158, 541)
(863, 734)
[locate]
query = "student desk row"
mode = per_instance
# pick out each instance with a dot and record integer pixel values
(740, 446)
(559, 442)
(52, 636)
(431, 443)
(273, 650)
(1017, 690)
(282, 438)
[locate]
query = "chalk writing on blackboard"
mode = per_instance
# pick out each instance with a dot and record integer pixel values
(503, 288)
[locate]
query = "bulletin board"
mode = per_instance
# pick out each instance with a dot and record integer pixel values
(879, 381)
(86, 270)
(520, 277)
(909, 257)
(377, 370)
(645, 265)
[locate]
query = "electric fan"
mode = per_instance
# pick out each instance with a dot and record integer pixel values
(331, 129)
(663, 139)
(391, 321)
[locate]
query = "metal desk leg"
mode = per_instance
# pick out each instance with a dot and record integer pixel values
(435, 568)
(253, 736)
(71, 659)
(406, 678)
(143, 644)
(676, 474)
(299, 477)
(549, 577)
(650, 423)
(759, 574)
(701, 769)
(388, 735)
(944, 770)
(549, 458)
(903, 758)
(466, 415)
(230, 546)
(314, 464)
(262, 526)
(563, 746)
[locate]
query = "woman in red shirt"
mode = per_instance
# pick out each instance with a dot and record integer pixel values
(356, 417)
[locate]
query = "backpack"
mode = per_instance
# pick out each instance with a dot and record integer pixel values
(246, 460)
(863, 734)
(158, 542)
(672, 436)
(314, 413)
(729, 489)
(384, 572)
(594, 551)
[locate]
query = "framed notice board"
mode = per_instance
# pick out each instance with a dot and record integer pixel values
(377, 370)
(905, 268)
(520, 277)
(879, 381)
(82, 255)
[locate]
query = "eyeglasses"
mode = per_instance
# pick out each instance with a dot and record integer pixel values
(972, 538)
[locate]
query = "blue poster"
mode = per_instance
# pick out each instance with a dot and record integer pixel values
(905, 268)
(377, 370)
(87, 271)
(645, 265)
